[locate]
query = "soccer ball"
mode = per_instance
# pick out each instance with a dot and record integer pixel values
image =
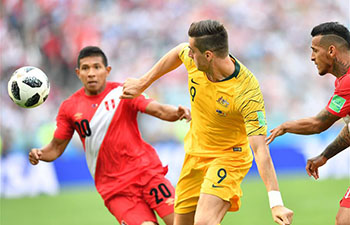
(28, 87)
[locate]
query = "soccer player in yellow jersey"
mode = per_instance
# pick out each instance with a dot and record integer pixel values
(227, 115)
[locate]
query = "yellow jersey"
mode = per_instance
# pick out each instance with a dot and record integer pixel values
(224, 113)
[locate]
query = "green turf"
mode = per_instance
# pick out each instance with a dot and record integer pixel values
(313, 202)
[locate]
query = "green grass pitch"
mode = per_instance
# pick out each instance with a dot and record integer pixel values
(313, 202)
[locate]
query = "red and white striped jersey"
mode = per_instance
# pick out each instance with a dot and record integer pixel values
(115, 152)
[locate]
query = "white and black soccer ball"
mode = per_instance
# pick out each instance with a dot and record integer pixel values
(28, 87)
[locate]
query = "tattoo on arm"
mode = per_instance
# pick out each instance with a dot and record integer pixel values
(324, 115)
(326, 119)
(341, 142)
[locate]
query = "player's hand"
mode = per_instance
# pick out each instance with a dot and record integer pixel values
(34, 156)
(132, 88)
(282, 215)
(278, 131)
(184, 113)
(313, 164)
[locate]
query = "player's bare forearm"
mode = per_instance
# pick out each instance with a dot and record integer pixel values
(167, 63)
(312, 125)
(54, 149)
(266, 171)
(48, 153)
(341, 142)
(168, 112)
(264, 162)
(280, 214)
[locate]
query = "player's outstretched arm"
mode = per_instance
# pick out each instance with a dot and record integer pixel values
(311, 125)
(134, 87)
(280, 214)
(168, 112)
(48, 153)
(341, 142)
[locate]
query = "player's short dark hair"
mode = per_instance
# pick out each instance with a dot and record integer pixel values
(92, 51)
(332, 32)
(210, 35)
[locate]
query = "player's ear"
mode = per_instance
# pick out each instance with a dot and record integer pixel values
(77, 72)
(209, 55)
(108, 68)
(332, 50)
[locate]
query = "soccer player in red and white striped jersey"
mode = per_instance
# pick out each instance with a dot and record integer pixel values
(127, 171)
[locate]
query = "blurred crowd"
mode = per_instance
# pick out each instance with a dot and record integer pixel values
(272, 38)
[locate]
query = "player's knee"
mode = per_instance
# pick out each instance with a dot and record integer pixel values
(148, 223)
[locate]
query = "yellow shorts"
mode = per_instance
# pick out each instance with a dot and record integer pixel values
(218, 176)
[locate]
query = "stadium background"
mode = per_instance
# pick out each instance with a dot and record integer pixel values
(272, 38)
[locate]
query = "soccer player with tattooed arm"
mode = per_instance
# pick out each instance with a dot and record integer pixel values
(127, 171)
(228, 114)
(331, 55)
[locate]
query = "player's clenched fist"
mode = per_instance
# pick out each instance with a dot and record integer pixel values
(34, 156)
(282, 215)
(132, 88)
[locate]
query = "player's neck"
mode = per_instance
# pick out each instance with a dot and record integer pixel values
(220, 69)
(340, 66)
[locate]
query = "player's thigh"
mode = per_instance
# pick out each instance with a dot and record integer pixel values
(223, 180)
(343, 216)
(169, 219)
(131, 210)
(159, 193)
(184, 219)
(210, 209)
(189, 185)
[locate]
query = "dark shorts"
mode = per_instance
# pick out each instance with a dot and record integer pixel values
(140, 202)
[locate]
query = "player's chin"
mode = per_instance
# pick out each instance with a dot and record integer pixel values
(322, 72)
(92, 87)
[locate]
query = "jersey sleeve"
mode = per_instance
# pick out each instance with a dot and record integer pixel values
(186, 60)
(184, 52)
(141, 102)
(339, 105)
(64, 127)
(251, 106)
